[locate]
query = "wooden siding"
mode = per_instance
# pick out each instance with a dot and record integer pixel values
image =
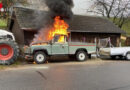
(76, 37)
(29, 36)
(128, 41)
(90, 37)
(18, 33)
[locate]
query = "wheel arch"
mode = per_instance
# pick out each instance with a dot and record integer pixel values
(42, 50)
(81, 49)
(126, 53)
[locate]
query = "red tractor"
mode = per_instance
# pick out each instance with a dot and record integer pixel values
(9, 50)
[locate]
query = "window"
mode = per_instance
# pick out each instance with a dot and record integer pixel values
(59, 38)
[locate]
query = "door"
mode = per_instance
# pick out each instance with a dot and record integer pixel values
(59, 46)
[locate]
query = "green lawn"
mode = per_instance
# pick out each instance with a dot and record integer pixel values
(3, 23)
(15, 65)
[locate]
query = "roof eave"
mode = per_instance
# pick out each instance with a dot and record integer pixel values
(96, 31)
(28, 29)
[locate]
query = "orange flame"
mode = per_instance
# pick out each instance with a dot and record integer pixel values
(59, 27)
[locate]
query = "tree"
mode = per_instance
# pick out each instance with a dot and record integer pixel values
(117, 10)
(7, 4)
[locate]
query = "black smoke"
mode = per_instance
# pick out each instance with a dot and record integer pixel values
(60, 8)
(45, 20)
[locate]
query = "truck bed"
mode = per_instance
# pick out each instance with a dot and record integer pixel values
(114, 51)
(90, 47)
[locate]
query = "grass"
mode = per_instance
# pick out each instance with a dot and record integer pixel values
(3, 23)
(126, 27)
(16, 64)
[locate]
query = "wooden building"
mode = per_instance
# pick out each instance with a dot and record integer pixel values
(127, 41)
(24, 23)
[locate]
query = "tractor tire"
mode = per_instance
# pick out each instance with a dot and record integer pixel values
(9, 51)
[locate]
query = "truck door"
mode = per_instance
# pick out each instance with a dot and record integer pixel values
(59, 46)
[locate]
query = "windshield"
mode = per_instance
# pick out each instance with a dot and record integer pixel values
(59, 38)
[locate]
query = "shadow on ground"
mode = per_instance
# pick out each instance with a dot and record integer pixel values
(65, 59)
(110, 59)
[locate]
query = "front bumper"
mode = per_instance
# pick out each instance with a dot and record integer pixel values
(27, 53)
(28, 57)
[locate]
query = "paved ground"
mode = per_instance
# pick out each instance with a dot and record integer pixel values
(91, 75)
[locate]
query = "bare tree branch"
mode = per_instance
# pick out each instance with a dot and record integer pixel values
(118, 10)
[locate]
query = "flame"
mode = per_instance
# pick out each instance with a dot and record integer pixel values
(61, 39)
(59, 28)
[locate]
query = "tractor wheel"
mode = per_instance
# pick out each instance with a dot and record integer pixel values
(9, 51)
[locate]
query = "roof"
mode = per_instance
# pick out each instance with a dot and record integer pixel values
(32, 4)
(93, 24)
(32, 19)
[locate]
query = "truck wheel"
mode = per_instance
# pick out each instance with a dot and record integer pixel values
(40, 57)
(81, 56)
(128, 56)
(9, 51)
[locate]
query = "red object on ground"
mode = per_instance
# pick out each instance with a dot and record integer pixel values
(6, 55)
(1, 5)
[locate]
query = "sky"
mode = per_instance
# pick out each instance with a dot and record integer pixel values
(81, 6)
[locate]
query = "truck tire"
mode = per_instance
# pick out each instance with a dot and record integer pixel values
(40, 57)
(81, 56)
(9, 51)
(128, 56)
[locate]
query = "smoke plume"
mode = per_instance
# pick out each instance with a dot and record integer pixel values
(60, 8)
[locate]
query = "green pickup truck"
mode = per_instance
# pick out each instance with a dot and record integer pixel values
(59, 45)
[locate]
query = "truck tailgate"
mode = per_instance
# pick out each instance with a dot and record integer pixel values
(114, 51)
(105, 51)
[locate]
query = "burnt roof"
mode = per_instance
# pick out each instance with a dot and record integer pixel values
(28, 19)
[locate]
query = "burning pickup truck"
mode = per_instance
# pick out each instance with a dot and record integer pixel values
(59, 45)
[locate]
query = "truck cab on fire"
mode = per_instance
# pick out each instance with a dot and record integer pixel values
(60, 45)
